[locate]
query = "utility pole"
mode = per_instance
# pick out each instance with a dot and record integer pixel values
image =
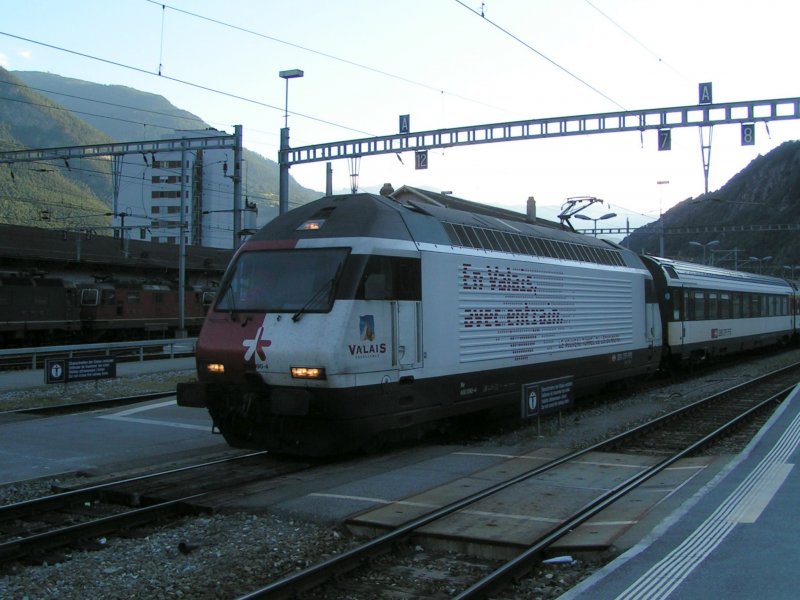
(181, 333)
(237, 186)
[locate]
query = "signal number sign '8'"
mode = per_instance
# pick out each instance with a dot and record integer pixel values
(748, 134)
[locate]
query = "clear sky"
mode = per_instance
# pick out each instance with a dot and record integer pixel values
(368, 61)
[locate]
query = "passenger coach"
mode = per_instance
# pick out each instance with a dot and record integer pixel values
(708, 311)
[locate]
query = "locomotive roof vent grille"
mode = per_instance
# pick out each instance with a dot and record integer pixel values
(503, 241)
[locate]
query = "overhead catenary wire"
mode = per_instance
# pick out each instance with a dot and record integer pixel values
(192, 119)
(582, 81)
(80, 112)
(346, 61)
(104, 102)
(184, 82)
(638, 41)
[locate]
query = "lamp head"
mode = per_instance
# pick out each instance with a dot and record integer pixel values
(291, 74)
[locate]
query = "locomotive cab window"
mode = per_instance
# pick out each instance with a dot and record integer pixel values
(283, 280)
(390, 278)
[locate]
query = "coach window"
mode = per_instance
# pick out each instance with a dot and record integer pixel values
(712, 306)
(736, 305)
(699, 308)
(747, 306)
(133, 297)
(675, 297)
(109, 296)
(724, 306)
(90, 297)
(755, 305)
(688, 305)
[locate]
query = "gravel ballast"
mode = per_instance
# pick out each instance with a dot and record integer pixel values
(228, 555)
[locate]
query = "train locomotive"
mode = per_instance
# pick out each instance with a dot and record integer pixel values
(358, 319)
(39, 309)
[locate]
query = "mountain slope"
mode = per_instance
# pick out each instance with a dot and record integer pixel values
(78, 192)
(766, 192)
(126, 114)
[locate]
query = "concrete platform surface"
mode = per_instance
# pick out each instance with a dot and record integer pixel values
(737, 537)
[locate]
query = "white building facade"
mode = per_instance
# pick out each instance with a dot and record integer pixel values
(148, 203)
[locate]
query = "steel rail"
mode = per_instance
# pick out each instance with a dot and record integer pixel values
(14, 510)
(317, 574)
(517, 567)
(63, 536)
(25, 545)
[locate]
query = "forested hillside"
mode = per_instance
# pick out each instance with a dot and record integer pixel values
(42, 110)
(48, 194)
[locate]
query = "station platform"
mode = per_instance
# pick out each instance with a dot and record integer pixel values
(737, 537)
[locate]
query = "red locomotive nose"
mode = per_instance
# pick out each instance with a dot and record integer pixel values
(228, 347)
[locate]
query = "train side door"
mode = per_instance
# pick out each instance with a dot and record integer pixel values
(653, 326)
(407, 334)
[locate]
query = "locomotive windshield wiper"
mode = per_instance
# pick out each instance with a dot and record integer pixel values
(232, 309)
(327, 285)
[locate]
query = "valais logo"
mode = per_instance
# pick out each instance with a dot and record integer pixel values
(366, 329)
(255, 347)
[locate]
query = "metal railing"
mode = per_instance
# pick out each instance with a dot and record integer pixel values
(34, 358)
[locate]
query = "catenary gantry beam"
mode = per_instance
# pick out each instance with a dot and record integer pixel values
(657, 229)
(750, 111)
(119, 148)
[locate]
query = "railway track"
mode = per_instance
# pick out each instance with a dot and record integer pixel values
(86, 516)
(86, 405)
(663, 441)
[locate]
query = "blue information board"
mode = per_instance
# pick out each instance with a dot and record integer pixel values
(543, 397)
(65, 370)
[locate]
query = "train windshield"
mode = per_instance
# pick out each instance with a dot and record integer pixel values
(283, 281)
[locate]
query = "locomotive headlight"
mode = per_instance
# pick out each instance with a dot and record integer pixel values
(308, 373)
(216, 368)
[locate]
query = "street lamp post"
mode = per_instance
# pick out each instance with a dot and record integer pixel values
(791, 269)
(595, 220)
(704, 246)
(283, 181)
(760, 261)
